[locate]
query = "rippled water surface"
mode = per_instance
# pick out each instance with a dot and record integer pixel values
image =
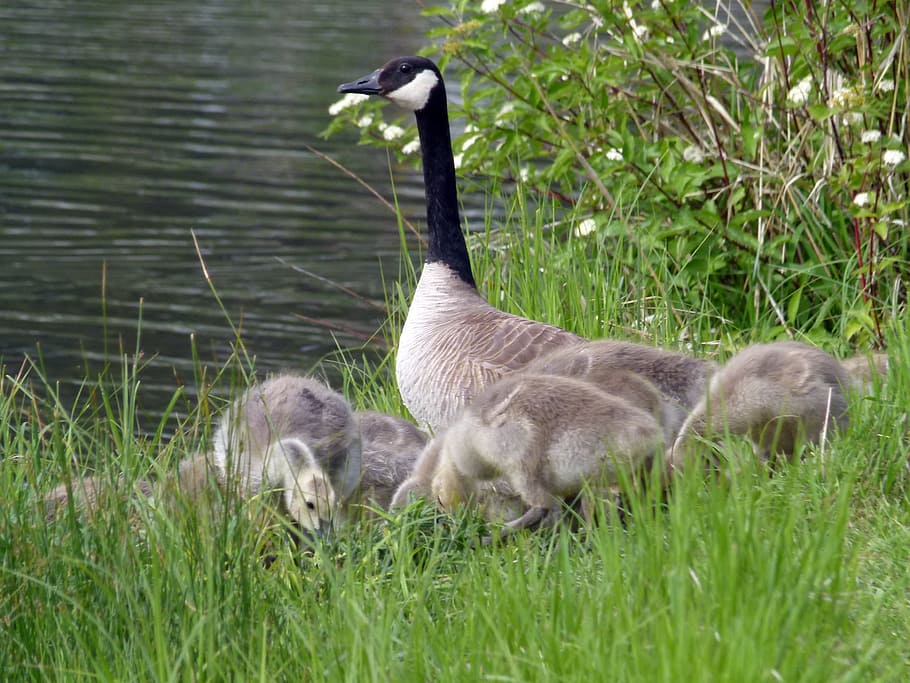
(125, 128)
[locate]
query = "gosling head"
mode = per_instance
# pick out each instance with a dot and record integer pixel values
(407, 81)
(311, 501)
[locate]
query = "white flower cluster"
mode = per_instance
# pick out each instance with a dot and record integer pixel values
(351, 99)
(799, 93)
(390, 133)
(533, 8)
(892, 157)
(870, 136)
(614, 154)
(694, 154)
(640, 31)
(585, 227)
(862, 198)
(716, 31)
(490, 6)
(840, 97)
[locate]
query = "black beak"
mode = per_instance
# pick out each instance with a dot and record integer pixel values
(368, 85)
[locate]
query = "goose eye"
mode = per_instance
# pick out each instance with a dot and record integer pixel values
(405, 68)
(310, 505)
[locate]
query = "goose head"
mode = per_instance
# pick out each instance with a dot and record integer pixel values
(311, 501)
(309, 496)
(410, 82)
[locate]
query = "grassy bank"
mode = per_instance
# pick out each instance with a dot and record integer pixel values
(801, 575)
(728, 219)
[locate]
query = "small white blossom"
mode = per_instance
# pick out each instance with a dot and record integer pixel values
(585, 227)
(365, 121)
(524, 173)
(655, 4)
(411, 147)
(840, 97)
(392, 133)
(893, 157)
(349, 100)
(640, 31)
(533, 8)
(614, 154)
(799, 93)
(695, 154)
(490, 6)
(861, 199)
(459, 158)
(571, 39)
(716, 31)
(871, 136)
(885, 85)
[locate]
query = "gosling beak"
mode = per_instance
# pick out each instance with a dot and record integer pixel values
(368, 85)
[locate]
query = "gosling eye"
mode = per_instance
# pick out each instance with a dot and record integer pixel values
(405, 68)
(310, 505)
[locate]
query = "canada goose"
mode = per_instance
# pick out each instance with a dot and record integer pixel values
(496, 500)
(390, 447)
(861, 369)
(453, 343)
(774, 393)
(296, 435)
(193, 478)
(679, 379)
(549, 437)
(85, 494)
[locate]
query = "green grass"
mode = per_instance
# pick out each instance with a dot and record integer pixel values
(799, 576)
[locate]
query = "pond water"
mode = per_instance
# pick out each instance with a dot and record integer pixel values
(127, 128)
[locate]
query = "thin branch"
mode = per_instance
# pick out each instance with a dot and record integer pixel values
(337, 285)
(363, 183)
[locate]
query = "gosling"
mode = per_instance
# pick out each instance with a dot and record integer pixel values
(194, 478)
(671, 383)
(680, 377)
(777, 394)
(496, 500)
(390, 448)
(295, 435)
(549, 437)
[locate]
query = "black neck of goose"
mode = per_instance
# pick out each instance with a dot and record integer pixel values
(447, 243)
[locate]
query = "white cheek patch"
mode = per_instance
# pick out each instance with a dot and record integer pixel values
(414, 95)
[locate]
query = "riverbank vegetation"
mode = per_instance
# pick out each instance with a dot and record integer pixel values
(648, 184)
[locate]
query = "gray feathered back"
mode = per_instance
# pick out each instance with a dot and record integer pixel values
(291, 406)
(390, 449)
(680, 377)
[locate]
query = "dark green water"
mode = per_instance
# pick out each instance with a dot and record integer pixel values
(127, 127)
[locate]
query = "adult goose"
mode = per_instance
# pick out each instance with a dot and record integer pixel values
(454, 343)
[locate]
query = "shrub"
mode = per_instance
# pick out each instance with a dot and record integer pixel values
(761, 161)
